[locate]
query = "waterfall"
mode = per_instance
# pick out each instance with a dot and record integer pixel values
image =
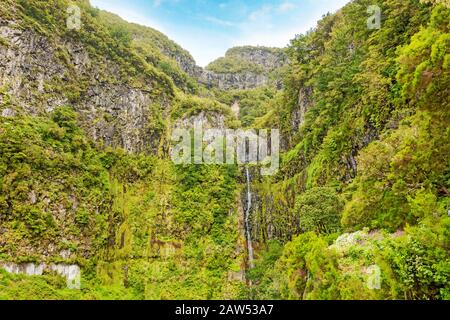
(247, 220)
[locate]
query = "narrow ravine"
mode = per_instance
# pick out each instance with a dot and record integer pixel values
(247, 220)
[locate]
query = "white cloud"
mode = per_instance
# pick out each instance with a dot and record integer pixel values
(260, 13)
(220, 22)
(276, 26)
(268, 11)
(286, 7)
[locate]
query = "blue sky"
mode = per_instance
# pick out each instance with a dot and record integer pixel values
(207, 28)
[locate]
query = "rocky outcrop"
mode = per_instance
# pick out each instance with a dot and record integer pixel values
(40, 74)
(268, 58)
(223, 81)
(188, 65)
(243, 68)
(304, 102)
(71, 272)
(236, 109)
(205, 119)
(229, 81)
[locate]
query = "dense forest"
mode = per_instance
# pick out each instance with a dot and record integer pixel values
(360, 206)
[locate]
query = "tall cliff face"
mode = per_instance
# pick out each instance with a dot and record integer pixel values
(116, 94)
(116, 97)
(245, 68)
(268, 58)
(364, 118)
(233, 81)
(86, 182)
(364, 163)
(242, 68)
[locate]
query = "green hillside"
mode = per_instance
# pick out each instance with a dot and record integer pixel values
(364, 181)
(358, 210)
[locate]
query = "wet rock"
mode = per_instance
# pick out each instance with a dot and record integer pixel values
(30, 269)
(72, 273)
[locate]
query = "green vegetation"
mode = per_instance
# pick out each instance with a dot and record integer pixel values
(188, 105)
(138, 51)
(128, 220)
(376, 131)
(234, 65)
(252, 103)
(53, 287)
(157, 50)
(112, 210)
(358, 210)
(412, 266)
(319, 210)
(244, 60)
(48, 166)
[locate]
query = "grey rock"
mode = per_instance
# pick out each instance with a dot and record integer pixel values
(8, 113)
(268, 60)
(112, 112)
(229, 81)
(208, 120)
(303, 104)
(72, 272)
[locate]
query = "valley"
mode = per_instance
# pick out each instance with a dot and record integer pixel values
(93, 207)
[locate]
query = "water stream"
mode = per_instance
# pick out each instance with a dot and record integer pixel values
(247, 220)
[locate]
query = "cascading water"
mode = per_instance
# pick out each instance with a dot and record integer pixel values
(247, 220)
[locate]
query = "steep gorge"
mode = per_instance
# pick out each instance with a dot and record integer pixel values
(87, 181)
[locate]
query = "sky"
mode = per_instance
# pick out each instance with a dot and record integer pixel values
(208, 28)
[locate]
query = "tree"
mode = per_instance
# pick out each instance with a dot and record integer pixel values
(319, 210)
